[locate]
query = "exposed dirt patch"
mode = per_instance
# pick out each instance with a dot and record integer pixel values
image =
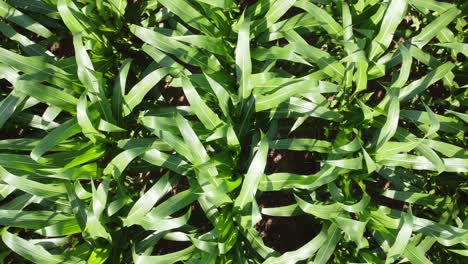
(246, 3)
(167, 246)
(284, 233)
(63, 48)
(174, 96)
(437, 90)
(299, 162)
(14, 259)
(274, 199)
(374, 189)
(149, 177)
(379, 92)
(287, 233)
(198, 219)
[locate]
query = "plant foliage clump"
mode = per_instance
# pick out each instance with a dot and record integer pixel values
(226, 131)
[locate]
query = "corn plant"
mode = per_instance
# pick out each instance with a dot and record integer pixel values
(167, 131)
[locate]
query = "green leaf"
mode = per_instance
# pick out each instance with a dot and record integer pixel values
(118, 91)
(275, 12)
(221, 93)
(284, 93)
(433, 28)
(393, 16)
(253, 175)
(462, 116)
(279, 181)
(402, 238)
(76, 21)
(90, 79)
(432, 5)
(354, 230)
(37, 67)
(100, 254)
(9, 105)
(457, 47)
(189, 14)
(121, 161)
(171, 162)
(352, 163)
(29, 186)
(94, 225)
(422, 163)
(302, 144)
(29, 46)
(148, 200)
(180, 255)
(328, 211)
(209, 119)
(84, 120)
(327, 249)
(327, 21)
(12, 14)
(434, 124)
(324, 60)
(48, 95)
(31, 219)
(391, 124)
(183, 52)
(243, 60)
(57, 136)
(210, 44)
(28, 250)
(138, 91)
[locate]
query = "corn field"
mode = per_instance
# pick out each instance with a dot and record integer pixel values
(233, 131)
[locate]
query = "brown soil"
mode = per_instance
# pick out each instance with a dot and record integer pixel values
(246, 3)
(284, 233)
(174, 96)
(13, 259)
(299, 162)
(63, 48)
(167, 246)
